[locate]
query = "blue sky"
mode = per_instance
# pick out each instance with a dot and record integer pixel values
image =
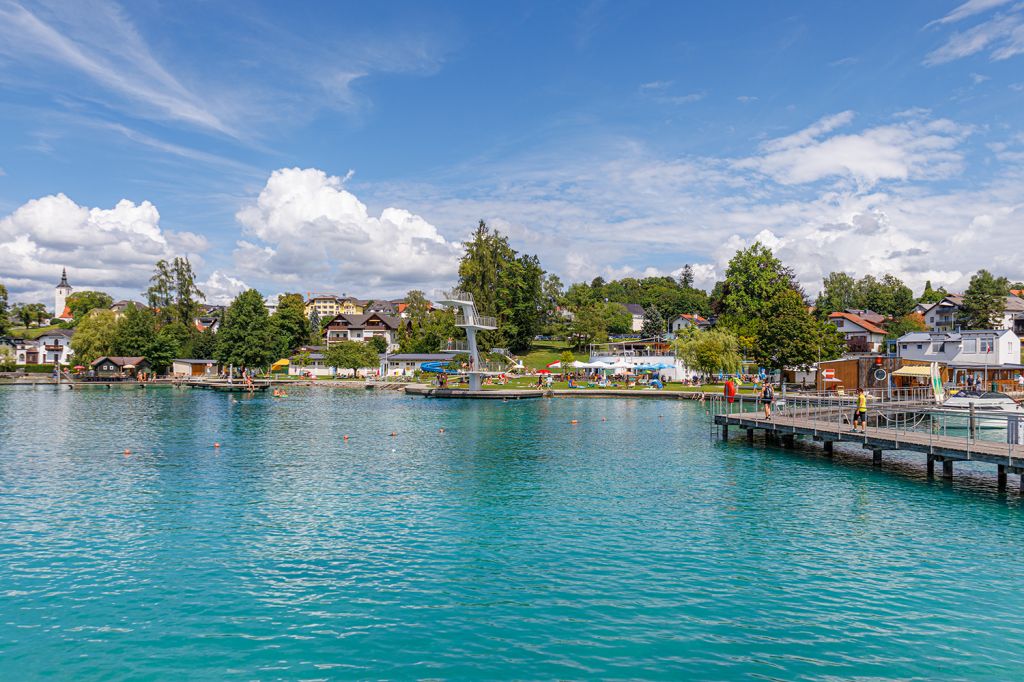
(350, 147)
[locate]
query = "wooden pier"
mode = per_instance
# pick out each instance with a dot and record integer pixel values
(940, 448)
(228, 386)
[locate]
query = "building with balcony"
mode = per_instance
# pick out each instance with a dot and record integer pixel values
(362, 328)
(861, 335)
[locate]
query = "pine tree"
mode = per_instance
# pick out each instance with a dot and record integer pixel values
(653, 324)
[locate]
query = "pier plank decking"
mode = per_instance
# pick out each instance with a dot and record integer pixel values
(937, 447)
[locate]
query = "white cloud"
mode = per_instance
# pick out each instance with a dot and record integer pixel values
(110, 249)
(221, 288)
(969, 9)
(909, 149)
(97, 41)
(307, 228)
(1002, 35)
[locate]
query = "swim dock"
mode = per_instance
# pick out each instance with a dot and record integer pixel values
(902, 423)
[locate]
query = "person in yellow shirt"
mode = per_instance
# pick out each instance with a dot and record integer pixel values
(861, 413)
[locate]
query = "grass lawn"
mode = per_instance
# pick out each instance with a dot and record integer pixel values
(544, 353)
(32, 333)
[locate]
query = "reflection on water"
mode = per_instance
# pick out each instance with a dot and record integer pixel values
(513, 544)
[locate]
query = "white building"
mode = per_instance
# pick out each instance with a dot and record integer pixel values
(942, 317)
(60, 297)
(52, 347)
(636, 312)
(861, 336)
(684, 321)
(973, 348)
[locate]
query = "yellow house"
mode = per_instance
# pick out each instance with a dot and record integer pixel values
(329, 306)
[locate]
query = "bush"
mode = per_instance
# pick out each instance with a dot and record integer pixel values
(35, 369)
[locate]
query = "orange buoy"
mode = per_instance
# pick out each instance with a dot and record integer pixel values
(441, 430)
(393, 433)
(345, 437)
(216, 445)
(573, 421)
(127, 452)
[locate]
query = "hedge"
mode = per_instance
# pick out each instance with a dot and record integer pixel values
(35, 369)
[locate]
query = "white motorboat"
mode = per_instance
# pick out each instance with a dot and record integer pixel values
(991, 409)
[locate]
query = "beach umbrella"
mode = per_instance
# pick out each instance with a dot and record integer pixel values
(543, 371)
(79, 367)
(128, 366)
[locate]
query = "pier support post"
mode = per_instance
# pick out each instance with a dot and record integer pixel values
(876, 457)
(725, 432)
(750, 435)
(931, 465)
(787, 440)
(947, 469)
(1001, 476)
(828, 447)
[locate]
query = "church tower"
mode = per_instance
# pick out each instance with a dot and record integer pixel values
(60, 298)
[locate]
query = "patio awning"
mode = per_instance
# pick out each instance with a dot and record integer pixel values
(913, 371)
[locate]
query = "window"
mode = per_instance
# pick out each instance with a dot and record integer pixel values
(920, 346)
(985, 345)
(937, 346)
(970, 346)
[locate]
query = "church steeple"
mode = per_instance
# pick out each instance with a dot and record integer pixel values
(64, 279)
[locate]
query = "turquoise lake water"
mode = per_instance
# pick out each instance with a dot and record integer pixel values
(513, 545)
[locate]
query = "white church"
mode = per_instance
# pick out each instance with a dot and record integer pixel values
(60, 298)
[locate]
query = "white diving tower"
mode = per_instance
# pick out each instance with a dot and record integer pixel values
(469, 320)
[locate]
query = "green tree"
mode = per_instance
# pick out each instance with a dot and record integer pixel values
(686, 277)
(914, 322)
(984, 301)
(505, 285)
(838, 293)
(177, 337)
(615, 318)
(81, 302)
(160, 294)
(579, 296)
(186, 292)
(379, 343)
(426, 330)
(136, 331)
(5, 312)
(789, 336)
(351, 355)
(204, 345)
(565, 361)
(290, 327)
(709, 352)
(94, 337)
(593, 323)
(245, 338)
(315, 327)
(930, 295)
(753, 279)
(653, 324)
(8, 362)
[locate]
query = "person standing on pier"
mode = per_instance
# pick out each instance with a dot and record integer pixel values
(861, 413)
(768, 397)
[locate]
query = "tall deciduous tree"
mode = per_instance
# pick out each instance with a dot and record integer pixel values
(135, 332)
(984, 301)
(753, 278)
(160, 294)
(245, 338)
(427, 330)
(351, 355)
(505, 285)
(709, 352)
(5, 324)
(94, 337)
(930, 295)
(186, 292)
(914, 322)
(290, 326)
(838, 292)
(204, 346)
(82, 302)
(789, 336)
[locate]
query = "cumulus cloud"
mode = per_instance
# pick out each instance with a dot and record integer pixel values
(111, 249)
(221, 288)
(910, 148)
(306, 227)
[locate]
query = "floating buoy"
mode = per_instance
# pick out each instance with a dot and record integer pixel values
(573, 421)
(604, 419)
(127, 452)
(441, 430)
(216, 445)
(345, 437)
(393, 433)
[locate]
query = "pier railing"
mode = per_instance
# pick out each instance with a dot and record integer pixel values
(910, 416)
(475, 321)
(454, 295)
